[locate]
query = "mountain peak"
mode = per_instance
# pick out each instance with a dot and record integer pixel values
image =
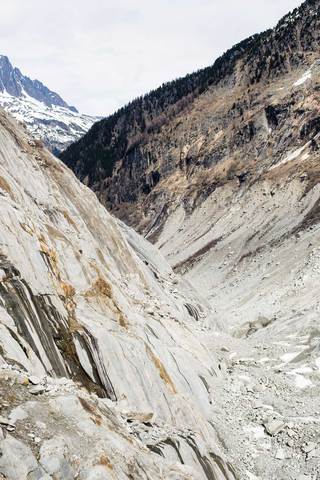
(4, 60)
(46, 115)
(13, 82)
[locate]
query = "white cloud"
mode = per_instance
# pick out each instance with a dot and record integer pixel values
(99, 54)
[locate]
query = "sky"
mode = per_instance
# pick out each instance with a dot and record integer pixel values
(100, 54)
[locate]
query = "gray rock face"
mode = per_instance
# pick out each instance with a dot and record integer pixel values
(85, 303)
(53, 461)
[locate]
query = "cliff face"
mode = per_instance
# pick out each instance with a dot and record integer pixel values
(83, 297)
(189, 127)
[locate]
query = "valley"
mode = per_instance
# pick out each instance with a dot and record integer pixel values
(159, 283)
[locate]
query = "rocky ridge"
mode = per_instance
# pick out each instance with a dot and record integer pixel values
(48, 117)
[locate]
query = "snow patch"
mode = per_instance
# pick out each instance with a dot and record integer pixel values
(288, 357)
(293, 156)
(306, 76)
(250, 476)
(264, 360)
(302, 382)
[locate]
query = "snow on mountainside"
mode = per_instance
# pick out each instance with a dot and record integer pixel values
(47, 116)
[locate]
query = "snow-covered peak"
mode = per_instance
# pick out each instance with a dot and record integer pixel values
(47, 116)
(15, 83)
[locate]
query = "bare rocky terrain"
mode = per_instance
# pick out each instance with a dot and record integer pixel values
(224, 126)
(197, 357)
(103, 368)
(222, 175)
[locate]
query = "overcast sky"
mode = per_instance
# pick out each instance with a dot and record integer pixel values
(99, 54)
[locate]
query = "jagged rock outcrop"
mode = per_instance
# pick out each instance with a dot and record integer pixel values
(84, 298)
(48, 117)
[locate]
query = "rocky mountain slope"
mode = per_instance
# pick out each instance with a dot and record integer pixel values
(189, 127)
(231, 176)
(47, 116)
(113, 367)
(220, 170)
(104, 371)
